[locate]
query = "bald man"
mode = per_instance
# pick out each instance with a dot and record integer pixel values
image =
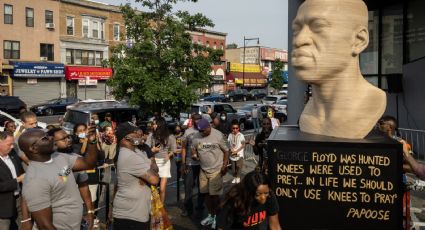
(328, 37)
(49, 188)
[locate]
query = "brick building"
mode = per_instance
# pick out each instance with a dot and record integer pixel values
(214, 40)
(30, 53)
(87, 30)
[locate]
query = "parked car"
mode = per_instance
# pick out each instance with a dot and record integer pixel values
(12, 105)
(54, 106)
(256, 94)
(213, 97)
(237, 95)
(272, 99)
(281, 106)
(232, 114)
(247, 109)
(8, 117)
(121, 112)
(84, 103)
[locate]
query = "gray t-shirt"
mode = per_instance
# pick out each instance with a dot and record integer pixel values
(80, 177)
(188, 138)
(132, 200)
(210, 150)
(171, 146)
(52, 184)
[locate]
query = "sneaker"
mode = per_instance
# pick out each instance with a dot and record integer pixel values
(214, 223)
(208, 221)
(234, 180)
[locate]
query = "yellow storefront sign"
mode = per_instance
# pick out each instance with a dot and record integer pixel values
(249, 68)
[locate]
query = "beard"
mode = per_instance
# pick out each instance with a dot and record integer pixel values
(65, 150)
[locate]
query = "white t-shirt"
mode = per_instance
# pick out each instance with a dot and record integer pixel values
(236, 142)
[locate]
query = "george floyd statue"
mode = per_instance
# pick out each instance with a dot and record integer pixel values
(328, 37)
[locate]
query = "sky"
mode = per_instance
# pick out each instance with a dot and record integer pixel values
(263, 19)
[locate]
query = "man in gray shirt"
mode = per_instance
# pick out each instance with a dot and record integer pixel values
(190, 169)
(210, 147)
(131, 206)
(49, 188)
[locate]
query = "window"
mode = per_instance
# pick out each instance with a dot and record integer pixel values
(85, 59)
(48, 15)
(99, 58)
(78, 57)
(69, 25)
(215, 46)
(102, 34)
(415, 30)
(116, 32)
(11, 49)
(46, 51)
(208, 44)
(69, 56)
(221, 46)
(29, 17)
(91, 58)
(86, 28)
(8, 14)
(95, 29)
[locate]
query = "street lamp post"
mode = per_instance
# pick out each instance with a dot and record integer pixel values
(244, 49)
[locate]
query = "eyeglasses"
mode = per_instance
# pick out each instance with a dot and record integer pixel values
(44, 138)
(64, 138)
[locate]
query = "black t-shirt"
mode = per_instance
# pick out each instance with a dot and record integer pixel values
(144, 147)
(256, 219)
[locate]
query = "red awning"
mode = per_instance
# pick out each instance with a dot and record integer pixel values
(94, 73)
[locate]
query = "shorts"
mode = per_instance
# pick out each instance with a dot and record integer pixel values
(164, 167)
(211, 183)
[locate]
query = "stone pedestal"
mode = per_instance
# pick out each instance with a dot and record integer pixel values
(326, 183)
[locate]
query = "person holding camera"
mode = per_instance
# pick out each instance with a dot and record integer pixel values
(260, 143)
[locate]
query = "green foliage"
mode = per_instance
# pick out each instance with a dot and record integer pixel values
(232, 46)
(277, 80)
(161, 68)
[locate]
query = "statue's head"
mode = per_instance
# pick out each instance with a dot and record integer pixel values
(328, 36)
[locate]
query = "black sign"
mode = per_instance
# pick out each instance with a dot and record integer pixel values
(332, 184)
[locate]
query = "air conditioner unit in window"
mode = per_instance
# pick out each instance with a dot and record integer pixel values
(50, 25)
(43, 58)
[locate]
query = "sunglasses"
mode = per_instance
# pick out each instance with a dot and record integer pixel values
(64, 138)
(44, 138)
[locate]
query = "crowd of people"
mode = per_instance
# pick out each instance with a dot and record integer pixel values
(50, 179)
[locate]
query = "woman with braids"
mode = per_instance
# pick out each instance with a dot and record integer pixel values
(250, 204)
(163, 145)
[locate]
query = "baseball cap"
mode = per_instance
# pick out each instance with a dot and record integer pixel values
(123, 129)
(203, 124)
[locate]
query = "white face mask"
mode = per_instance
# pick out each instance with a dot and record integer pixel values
(223, 118)
(96, 122)
(82, 135)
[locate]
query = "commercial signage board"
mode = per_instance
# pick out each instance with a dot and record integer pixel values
(94, 73)
(37, 70)
(249, 68)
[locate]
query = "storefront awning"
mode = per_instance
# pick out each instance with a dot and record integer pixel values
(93, 73)
(37, 70)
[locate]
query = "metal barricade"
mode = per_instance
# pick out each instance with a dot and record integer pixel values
(416, 138)
(249, 150)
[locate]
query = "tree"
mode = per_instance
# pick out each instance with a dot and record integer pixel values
(160, 68)
(277, 79)
(232, 46)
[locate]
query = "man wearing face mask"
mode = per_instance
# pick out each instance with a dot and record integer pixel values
(49, 188)
(224, 126)
(63, 144)
(131, 205)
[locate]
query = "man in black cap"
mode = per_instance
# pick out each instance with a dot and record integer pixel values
(210, 147)
(131, 206)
